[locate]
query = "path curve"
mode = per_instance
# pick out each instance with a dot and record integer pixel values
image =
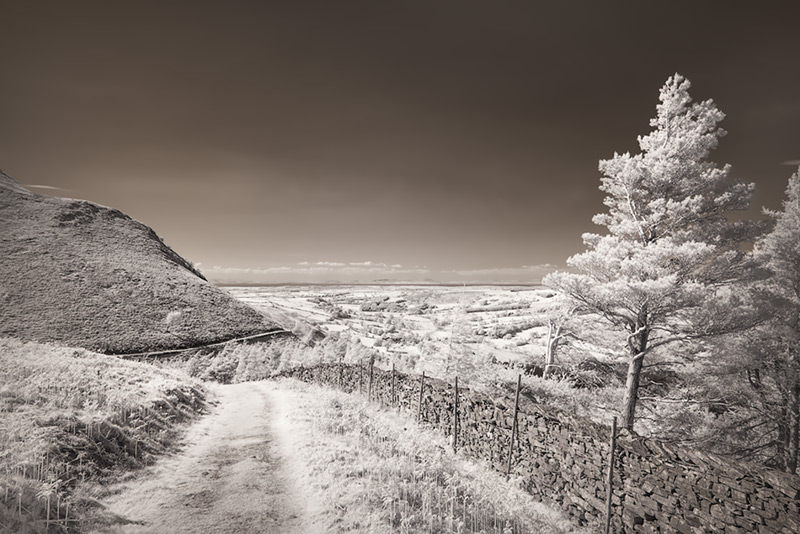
(232, 476)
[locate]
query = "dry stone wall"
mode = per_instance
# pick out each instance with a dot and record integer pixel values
(562, 459)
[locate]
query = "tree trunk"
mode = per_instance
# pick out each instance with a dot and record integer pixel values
(552, 347)
(637, 345)
(794, 430)
(782, 441)
(632, 390)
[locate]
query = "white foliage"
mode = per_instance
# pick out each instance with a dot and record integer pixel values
(662, 271)
(780, 249)
(670, 246)
(779, 253)
(772, 350)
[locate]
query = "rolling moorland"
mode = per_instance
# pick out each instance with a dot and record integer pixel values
(485, 335)
(82, 432)
(59, 466)
(713, 446)
(488, 335)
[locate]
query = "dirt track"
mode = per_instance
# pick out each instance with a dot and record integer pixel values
(234, 475)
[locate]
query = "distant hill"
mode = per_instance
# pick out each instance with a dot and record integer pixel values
(80, 274)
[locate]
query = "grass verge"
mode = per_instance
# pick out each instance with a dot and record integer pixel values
(70, 420)
(375, 471)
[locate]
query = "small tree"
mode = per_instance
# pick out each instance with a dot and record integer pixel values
(560, 319)
(660, 272)
(554, 337)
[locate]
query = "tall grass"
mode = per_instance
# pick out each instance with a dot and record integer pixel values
(377, 471)
(69, 418)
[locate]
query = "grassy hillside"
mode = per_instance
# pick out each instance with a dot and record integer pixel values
(80, 274)
(70, 418)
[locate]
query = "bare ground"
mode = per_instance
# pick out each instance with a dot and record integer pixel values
(234, 475)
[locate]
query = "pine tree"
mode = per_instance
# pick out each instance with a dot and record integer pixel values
(774, 372)
(659, 273)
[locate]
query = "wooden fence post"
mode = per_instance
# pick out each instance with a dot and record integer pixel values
(369, 389)
(394, 397)
(610, 480)
(513, 425)
(421, 386)
(360, 374)
(455, 417)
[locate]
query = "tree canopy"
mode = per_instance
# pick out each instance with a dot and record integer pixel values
(661, 272)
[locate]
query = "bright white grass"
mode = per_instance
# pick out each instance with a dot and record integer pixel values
(69, 415)
(372, 470)
(41, 384)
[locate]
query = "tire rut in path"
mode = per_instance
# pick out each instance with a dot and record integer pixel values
(229, 478)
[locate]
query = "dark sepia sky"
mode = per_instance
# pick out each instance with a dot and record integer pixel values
(340, 140)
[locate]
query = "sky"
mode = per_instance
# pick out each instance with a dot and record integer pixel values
(316, 141)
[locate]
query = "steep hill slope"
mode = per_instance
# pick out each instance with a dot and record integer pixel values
(80, 274)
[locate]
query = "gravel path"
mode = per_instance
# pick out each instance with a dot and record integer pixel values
(234, 475)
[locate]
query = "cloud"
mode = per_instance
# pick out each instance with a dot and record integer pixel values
(792, 162)
(524, 268)
(526, 274)
(46, 187)
(249, 270)
(323, 263)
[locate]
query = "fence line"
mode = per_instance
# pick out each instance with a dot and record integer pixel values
(562, 459)
(514, 425)
(455, 416)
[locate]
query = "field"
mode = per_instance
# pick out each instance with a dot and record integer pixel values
(485, 335)
(425, 326)
(488, 335)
